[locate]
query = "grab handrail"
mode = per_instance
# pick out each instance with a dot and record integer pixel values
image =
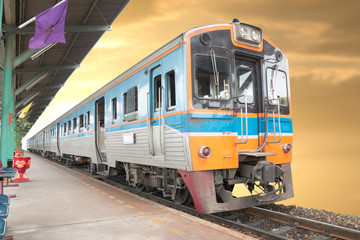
(150, 138)
(246, 121)
(274, 122)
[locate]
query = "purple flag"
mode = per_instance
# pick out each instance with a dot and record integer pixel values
(49, 26)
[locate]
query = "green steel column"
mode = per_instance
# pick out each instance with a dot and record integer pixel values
(7, 132)
(13, 111)
(1, 60)
(1, 13)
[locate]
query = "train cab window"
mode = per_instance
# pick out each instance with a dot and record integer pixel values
(69, 127)
(88, 120)
(131, 104)
(81, 122)
(212, 77)
(74, 125)
(245, 83)
(171, 94)
(157, 92)
(277, 87)
(114, 109)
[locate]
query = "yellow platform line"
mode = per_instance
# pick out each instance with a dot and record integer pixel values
(176, 231)
(158, 221)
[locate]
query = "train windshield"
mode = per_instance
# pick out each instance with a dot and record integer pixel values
(212, 77)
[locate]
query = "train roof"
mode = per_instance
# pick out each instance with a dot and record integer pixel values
(180, 39)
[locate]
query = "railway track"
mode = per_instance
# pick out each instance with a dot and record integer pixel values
(266, 224)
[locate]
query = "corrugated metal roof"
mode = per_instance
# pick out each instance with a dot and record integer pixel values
(82, 16)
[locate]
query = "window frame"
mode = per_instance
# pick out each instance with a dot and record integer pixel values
(114, 108)
(253, 85)
(65, 128)
(194, 77)
(81, 122)
(74, 125)
(156, 105)
(88, 120)
(131, 116)
(170, 107)
(69, 127)
(286, 86)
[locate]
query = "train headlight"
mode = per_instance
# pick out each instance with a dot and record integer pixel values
(204, 152)
(255, 35)
(247, 34)
(287, 148)
(243, 32)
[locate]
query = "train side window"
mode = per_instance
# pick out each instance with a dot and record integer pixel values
(74, 125)
(131, 104)
(81, 122)
(65, 129)
(114, 109)
(277, 87)
(88, 120)
(157, 91)
(69, 127)
(171, 93)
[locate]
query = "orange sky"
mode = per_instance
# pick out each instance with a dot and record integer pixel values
(320, 38)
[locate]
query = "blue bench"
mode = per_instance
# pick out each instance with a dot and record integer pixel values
(4, 210)
(2, 228)
(4, 199)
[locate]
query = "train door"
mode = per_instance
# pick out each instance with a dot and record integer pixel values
(247, 78)
(100, 128)
(58, 138)
(155, 121)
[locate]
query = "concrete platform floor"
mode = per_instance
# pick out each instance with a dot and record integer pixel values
(59, 203)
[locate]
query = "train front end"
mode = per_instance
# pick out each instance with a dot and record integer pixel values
(239, 118)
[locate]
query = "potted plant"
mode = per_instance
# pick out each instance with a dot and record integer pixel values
(20, 162)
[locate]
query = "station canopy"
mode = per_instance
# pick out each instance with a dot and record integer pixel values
(38, 76)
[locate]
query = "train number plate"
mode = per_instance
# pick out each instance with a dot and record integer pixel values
(129, 138)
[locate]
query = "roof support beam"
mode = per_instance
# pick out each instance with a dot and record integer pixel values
(28, 83)
(32, 117)
(51, 68)
(24, 56)
(47, 87)
(74, 28)
(43, 99)
(18, 104)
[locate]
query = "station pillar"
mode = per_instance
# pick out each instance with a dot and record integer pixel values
(8, 113)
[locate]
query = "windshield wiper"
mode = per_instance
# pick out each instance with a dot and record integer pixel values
(273, 84)
(216, 73)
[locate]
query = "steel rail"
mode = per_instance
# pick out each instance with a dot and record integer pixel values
(310, 224)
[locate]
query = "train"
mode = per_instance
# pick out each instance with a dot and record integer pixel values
(205, 118)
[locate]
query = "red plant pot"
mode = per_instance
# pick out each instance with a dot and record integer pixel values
(21, 164)
(19, 153)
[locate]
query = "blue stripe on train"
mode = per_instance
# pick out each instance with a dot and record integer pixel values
(211, 125)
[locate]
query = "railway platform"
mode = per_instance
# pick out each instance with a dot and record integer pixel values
(60, 203)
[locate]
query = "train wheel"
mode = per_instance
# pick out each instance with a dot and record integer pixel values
(182, 196)
(140, 187)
